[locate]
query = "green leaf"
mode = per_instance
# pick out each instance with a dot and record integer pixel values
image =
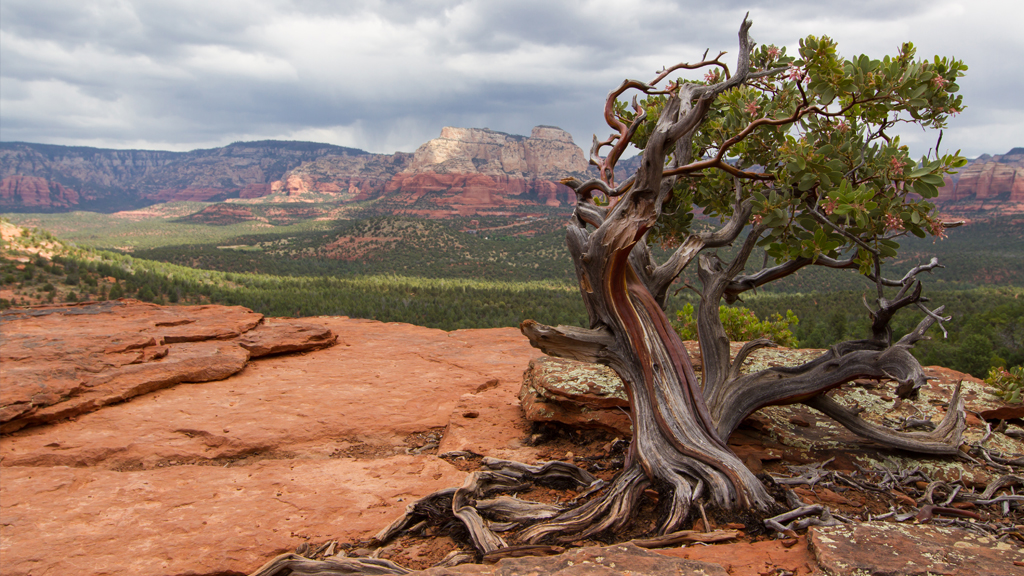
(807, 182)
(925, 189)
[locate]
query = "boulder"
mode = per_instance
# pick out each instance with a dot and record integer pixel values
(575, 393)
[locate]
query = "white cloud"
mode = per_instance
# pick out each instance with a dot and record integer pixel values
(386, 74)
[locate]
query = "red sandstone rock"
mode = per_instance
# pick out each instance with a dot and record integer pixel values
(315, 448)
(59, 362)
(257, 190)
(877, 548)
(618, 559)
(575, 393)
(489, 421)
(752, 558)
(32, 191)
(366, 395)
(987, 182)
(182, 520)
(1003, 413)
(284, 337)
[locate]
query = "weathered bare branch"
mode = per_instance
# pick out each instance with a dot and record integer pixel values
(569, 341)
(917, 334)
(736, 399)
(945, 439)
(741, 284)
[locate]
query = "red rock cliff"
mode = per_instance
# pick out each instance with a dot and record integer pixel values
(987, 182)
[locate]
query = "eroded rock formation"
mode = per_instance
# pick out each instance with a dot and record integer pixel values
(81, 178)
(987, 182)
(475, 168)
(36, 192)
(464, 171)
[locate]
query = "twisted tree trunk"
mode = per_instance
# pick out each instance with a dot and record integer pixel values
(676, 447)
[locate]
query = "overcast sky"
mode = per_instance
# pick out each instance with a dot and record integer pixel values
(387, 75)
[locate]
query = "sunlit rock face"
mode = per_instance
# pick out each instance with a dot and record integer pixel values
(547, 152)
(31, 191)
(470, 170)
(464, 171)
(987, 182)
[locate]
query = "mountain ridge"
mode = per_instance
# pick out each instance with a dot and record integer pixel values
(462, 172)
(465, 167)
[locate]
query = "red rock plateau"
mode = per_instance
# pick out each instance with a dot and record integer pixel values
(298, 450)
(80, 178)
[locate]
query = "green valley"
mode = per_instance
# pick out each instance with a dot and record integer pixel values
(307, 259)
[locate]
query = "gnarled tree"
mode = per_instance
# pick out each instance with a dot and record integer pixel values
(791, 156)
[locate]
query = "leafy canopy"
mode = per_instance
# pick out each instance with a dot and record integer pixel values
(811, 137)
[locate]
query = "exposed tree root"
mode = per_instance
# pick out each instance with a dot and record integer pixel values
(287, 564)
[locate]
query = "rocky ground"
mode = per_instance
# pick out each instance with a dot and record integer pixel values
(330, 427)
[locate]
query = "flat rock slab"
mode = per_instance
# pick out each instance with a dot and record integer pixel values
(376, 393)
(884, 549)
(618, 559)
(200, 519)
(332, 444)
(62, 361)
(752, 558)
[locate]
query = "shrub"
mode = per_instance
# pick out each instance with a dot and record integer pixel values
(1009, 384)
(742, 324)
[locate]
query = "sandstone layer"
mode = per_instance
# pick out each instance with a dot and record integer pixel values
(218, 477)
(59, 362)
(464, 171)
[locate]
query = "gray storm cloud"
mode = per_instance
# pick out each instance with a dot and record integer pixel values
(385, 75)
